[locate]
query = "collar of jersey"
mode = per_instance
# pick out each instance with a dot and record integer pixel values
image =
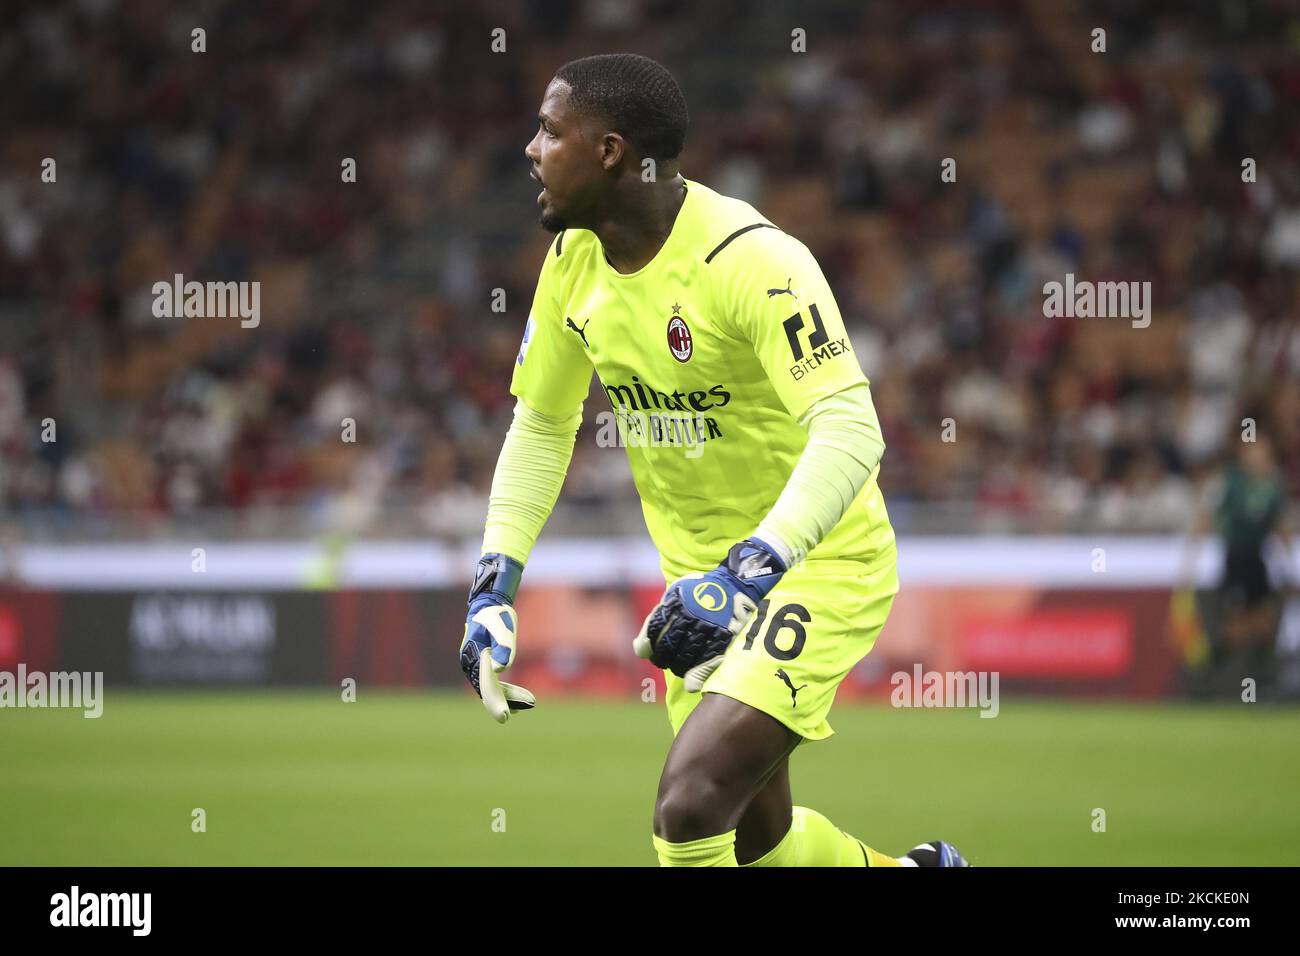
(664, 250)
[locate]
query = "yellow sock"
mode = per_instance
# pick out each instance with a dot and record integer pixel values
(812, 840)
(717, 850)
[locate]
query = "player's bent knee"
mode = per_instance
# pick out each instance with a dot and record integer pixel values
(693, 808)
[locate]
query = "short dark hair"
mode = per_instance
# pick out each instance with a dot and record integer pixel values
(637, 96)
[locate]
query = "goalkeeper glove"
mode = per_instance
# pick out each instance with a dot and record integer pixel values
(699, 614)
(491, 627)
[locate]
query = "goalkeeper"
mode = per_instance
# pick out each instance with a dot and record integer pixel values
(711, 327)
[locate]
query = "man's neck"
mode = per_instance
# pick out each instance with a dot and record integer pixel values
(633, 233)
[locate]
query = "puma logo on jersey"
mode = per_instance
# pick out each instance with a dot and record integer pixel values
(581, 331)
(780, 672)
(785, 291)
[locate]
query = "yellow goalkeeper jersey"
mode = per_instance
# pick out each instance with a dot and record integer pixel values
(708, 356)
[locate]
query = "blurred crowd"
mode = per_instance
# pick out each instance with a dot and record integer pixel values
(1171, 154)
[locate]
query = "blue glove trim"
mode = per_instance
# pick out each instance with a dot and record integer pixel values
(755, 566)
(497, 575)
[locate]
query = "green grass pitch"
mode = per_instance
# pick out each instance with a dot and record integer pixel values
(428, 779)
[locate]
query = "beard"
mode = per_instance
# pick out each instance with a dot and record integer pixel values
(552, 222)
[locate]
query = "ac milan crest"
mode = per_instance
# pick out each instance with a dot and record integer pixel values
(679, 338)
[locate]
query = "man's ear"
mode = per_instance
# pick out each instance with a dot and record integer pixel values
(613, 148)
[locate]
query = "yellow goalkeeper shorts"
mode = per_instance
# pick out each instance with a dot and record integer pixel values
(813, 627)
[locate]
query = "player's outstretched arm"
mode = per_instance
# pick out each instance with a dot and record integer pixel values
(527, 481)
(550, 380)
